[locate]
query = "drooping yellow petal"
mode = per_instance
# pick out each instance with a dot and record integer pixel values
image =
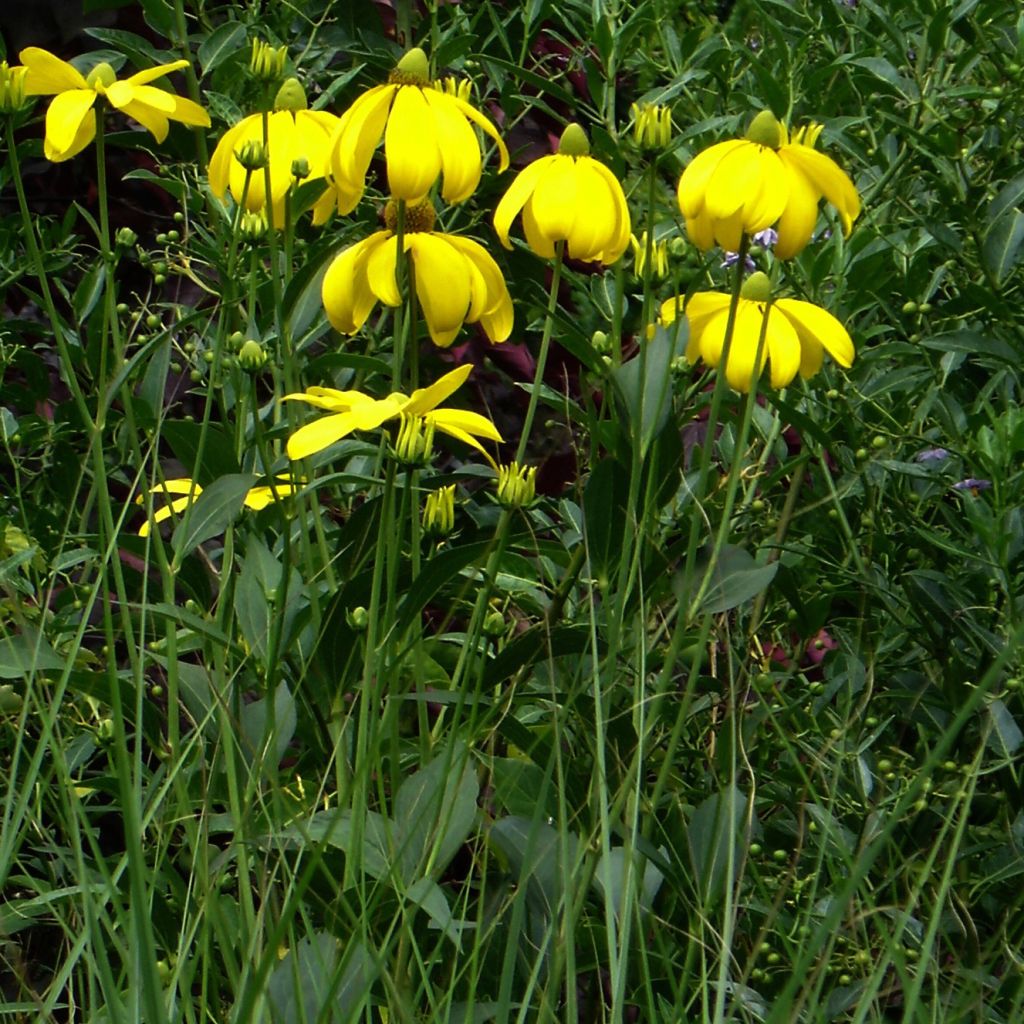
(48, 75)
(86, 133)
(796, 225)
(424, 400)
(829, 179)
(442, 285)
(410, 146)
(816, 326)
(65, 116)
(516, 197)
(617, 239)
(536, 238)
(152, 120)
(496, 315)
(122, 93)
(483, 122)
(188, 112)
(466, 421)
(457, 145)
(694, 181)
(382, 269)
(223, 155)
(712, 338)
(555, 199)
(747, 351)
(357, 135)
(783, 348)
(701, 230)
(346, 293)
(319, 434)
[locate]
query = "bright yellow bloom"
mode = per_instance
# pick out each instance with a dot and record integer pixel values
(457, 280)
(293, 134)
(71, 119)
(427, 132)
(352, 410)
(797, 334)
(745, 185)
(256, 498)
(567, 197)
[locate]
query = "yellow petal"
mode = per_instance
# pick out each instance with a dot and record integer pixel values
(750, 179)
(356, 137)
(496, 315)
(556, 199)
(382, 271)
(745, 361)
(783, 346)
(765, 205)
(516, 197)
(694, 181)
(425, 400)
(219, 172)
(701, 230)
(410, 145)
(346, 293)
(815, 325)
(450, 420)
(617, 239)
(64, 118)
(188, 112)
(796, 225)
(153, 73)
(152, 120)
(85, 134)
(483, 122)
(155, 99)
(442, 285)
(829, 179)
(457, 145)
(48, 75)
(320, 434)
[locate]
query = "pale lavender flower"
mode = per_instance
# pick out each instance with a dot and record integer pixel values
(973, 484)
(931, 455)
(732, 258)
(766, 238)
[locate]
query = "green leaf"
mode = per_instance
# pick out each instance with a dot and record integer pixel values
(88, 292)
(24, 653)
(268, 728)
(1006, 736)
(1002, 244)
(223, 42)
(605, 517)
(434, 811)
(336, 828)
(533, 850)
(208, 516)
(302, 301)
(735, 578)
(428, 895)
(218, 459)
(716, 827)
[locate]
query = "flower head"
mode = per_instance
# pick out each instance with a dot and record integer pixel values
(517, 485)
(769, 177)
(267, 62)
(256, 498)
(427, 133)
(457, 280)
(294, 135)
(652, 125)
(12, 88)
(796, 334)
(439, 511)
(659, 256)
(71, 117)
(973, 484)
(568, 197)
(352, 410)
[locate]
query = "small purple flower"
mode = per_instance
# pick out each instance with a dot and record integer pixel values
(766, 238)
(972, 484)
(732, 258)
(931, 455)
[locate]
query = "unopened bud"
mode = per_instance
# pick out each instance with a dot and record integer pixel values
(494, 623)
(516, 485)
(659, 256)
(252, 227)
(12, 88)
(439, 511)
(652, 125)
(415, 443)
(358, 617)
(252, 155)
(267, 62)
(300, 168)
(460, 88)
(600, 342)
(125, 238)
(252, 357)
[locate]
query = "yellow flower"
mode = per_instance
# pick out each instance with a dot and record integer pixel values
(352, 410)
(293, 133)
(457, 280)
(745, 185)
(71, 119)
(797, 334)
(256, 498)
(568, 197)
(427, 132)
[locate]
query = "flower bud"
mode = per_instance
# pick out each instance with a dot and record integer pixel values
(757, 287)
(415, 443)
(300, 168)
(439, 512)
(267, 62)
(125, 238)
(659, 256)
(252, 155)
(252, 357)
(652, 125)
(252, 227)
(12, 88)
(494, 623)
(291, 96)
(600, 342)
(516, 485)
(358, 617)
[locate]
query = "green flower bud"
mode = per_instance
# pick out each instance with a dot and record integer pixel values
(439, 512)
(574, 141)
(252, 155)
(267, 62)
(252, 227)
(516, 485)
(494, 624)
(652, 125)
(300, 168)
(415, 443)
(252, 356)
(125, 238)
(358, 617)
(12, 88)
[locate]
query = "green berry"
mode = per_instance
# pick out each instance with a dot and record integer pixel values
(878, 441)
(152, 321)
(909, 307)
